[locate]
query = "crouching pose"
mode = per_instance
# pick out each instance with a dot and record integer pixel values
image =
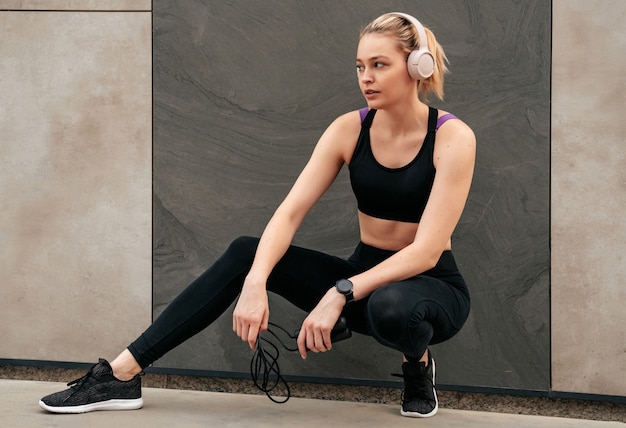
(410, 168)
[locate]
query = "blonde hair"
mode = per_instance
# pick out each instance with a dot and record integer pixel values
(407, 39)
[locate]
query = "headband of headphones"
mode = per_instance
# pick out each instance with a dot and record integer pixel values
(421, 63)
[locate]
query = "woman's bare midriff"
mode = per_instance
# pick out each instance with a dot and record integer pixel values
(387, 234)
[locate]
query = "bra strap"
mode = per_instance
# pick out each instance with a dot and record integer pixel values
(363, 112)
(369, 117)
(443, 119)
(432, 119)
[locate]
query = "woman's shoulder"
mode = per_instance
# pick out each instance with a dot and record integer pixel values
(449, 123)
(341, 135)
(352, 117)
(347, 124)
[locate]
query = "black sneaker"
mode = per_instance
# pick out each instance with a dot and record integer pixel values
(97, 390)
(419, 398)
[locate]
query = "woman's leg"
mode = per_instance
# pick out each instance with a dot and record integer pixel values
(195, 308)
(302, 277)
(411, 314)
(408, 316)
(125, 366)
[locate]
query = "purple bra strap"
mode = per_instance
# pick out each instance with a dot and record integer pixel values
(363, 113)
(443, 119)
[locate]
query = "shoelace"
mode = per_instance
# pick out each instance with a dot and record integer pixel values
(77, 384)
(80, 381)
(264, 364)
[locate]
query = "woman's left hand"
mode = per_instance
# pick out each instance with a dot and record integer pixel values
(315, 331)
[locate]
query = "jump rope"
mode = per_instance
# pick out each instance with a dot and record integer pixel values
(264, 367)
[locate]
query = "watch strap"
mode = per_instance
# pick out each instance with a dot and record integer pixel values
(344, 286)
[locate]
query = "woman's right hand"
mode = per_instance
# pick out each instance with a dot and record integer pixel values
(251, 315)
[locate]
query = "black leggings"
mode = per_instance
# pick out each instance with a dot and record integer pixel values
(406, 315)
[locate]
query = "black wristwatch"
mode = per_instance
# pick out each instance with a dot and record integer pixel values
(344, 286)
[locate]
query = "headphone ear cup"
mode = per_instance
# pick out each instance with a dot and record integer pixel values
(421, 64)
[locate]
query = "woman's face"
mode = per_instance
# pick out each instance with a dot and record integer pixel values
(382, 72)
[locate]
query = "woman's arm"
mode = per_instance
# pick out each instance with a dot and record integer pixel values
(333, 149)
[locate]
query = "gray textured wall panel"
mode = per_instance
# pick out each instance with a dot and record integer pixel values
(243, 90)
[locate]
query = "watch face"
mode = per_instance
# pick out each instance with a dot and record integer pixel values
(344, 286)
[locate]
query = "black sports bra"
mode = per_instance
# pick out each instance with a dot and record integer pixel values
(393, 193)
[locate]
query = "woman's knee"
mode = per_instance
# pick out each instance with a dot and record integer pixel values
(386, 319)
(242, 248)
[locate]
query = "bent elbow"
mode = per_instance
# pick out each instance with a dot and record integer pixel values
(429, 260)
(432, 261)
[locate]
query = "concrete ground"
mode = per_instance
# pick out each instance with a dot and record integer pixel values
(180, 408)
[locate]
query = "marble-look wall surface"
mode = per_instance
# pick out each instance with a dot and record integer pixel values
(589, 197)
(75, 180)
(242, 91)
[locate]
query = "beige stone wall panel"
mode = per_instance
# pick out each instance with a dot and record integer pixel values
(589, 197)
(75, 183)
(83, 5)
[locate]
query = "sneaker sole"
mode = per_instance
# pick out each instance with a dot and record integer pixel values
(432, 412)
(133, 404)
(422, 415)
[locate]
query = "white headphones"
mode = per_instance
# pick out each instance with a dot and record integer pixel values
(421, 63)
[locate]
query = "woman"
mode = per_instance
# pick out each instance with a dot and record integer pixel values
(410, 168)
